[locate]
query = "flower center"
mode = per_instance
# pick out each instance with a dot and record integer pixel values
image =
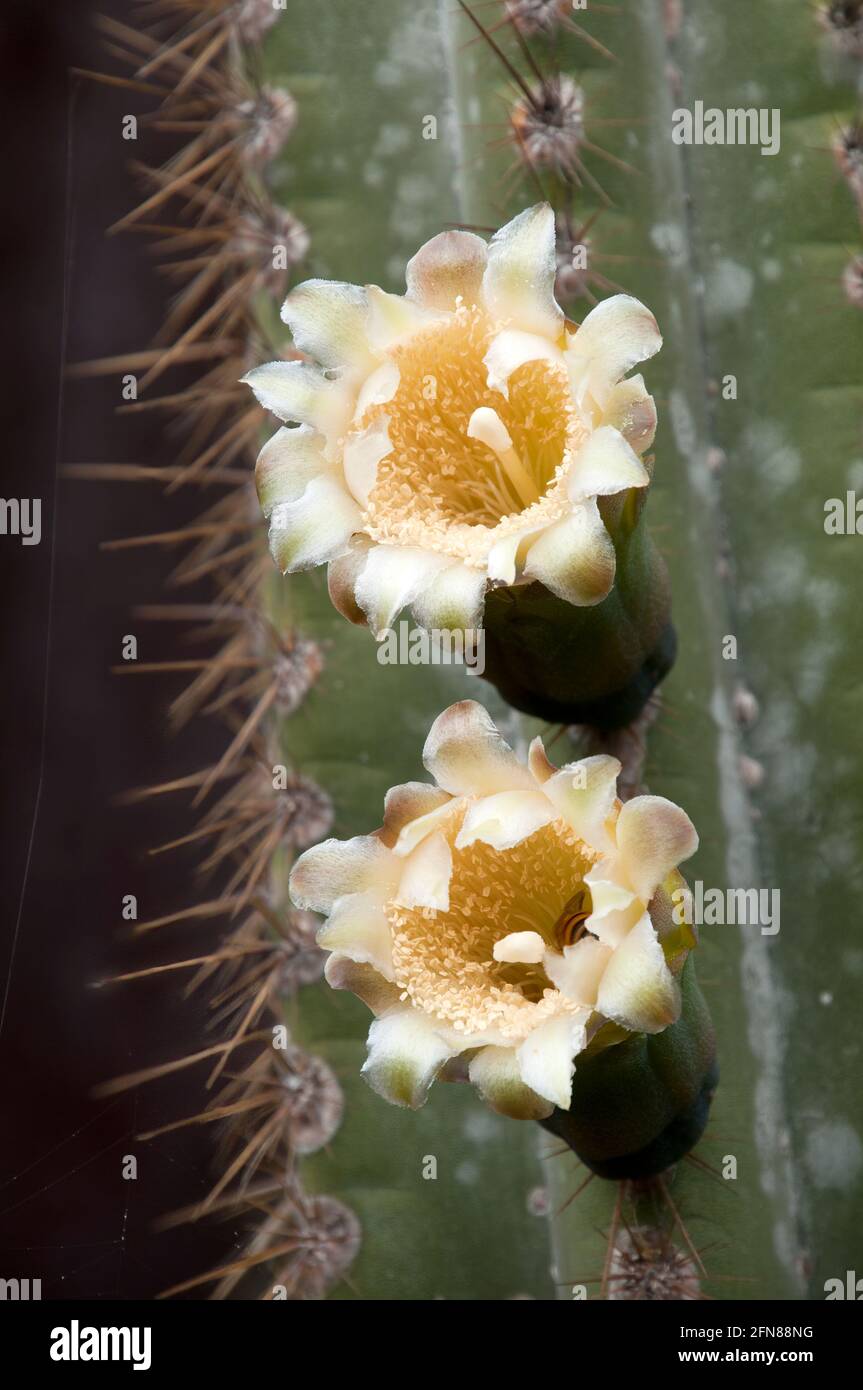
(467, 463)
(444, 961)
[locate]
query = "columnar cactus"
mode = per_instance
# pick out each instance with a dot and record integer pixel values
(478, 451)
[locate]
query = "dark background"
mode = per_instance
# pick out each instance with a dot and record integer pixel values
(73, 735)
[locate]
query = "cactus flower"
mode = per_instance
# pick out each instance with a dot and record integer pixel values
(504, 920)
(458, 437)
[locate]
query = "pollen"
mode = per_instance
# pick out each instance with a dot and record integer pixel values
(451, 484)
(444, 962)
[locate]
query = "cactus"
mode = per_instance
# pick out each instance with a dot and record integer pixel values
(371, 129)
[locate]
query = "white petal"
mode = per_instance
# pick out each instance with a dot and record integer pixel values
(432, 820)
(286, 464)
(613, 929)
(630, 409)
(607, 892)
(584, 793)
(578, 971)
(393, 318)
(653, 837)
(672, 914)
(520, 947)
(449, 265)
(452, 602)
(315, 528)
(538, 761)
(342, 575)
(378, 994)
(575, 557)
(426, 875)
(605, 465)
(358, 928)
(616, 335)
(503, 558)
(391, 578)
(407, 803)
(328, 321)
(363, 452)
(378, 389)
(494, 1071)
(405, 1056)
(333, 868)
(638, 990)
(467, 756)
(297, 391)
(616, 909)
(518, 283)
(510, 350)
(504, 819)
(614, 926)
(546, 1057)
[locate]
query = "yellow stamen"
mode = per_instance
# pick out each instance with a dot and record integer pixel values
(446, 964)
(439, 488)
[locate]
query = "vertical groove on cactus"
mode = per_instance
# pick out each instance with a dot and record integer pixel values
(776, 317)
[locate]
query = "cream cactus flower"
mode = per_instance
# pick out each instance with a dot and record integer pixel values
(502, 919)
(456, 436)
